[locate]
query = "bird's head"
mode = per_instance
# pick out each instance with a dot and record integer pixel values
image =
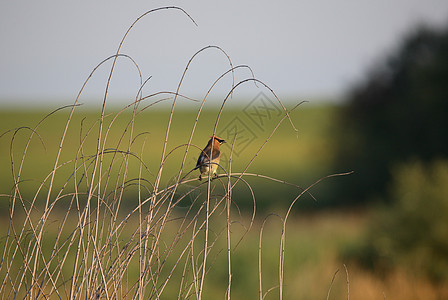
(218, 140)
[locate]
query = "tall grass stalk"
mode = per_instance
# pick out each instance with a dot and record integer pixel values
(80, 240)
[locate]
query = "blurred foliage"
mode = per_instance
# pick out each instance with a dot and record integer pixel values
(412, 232)
(398, 113)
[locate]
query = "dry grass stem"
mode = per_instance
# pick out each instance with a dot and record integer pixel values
(104, 223)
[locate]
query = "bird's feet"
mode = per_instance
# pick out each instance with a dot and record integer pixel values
(214, 176)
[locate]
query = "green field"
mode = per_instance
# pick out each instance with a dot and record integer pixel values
(305, 156)
(124, 176)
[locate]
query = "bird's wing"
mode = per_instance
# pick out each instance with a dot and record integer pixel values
(203, 158)
(215, 153)
(200, 160)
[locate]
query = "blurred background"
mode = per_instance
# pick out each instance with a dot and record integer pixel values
(375, 75)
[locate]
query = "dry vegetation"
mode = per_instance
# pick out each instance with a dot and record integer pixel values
(73, 239)
(103, 222)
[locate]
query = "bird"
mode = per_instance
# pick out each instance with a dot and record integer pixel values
(205, 161)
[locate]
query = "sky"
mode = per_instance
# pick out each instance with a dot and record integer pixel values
(300, 49)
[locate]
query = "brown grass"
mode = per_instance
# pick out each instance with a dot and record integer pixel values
(110, 232)
(78, 240)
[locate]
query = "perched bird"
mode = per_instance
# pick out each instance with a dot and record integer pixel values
(205, 161)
